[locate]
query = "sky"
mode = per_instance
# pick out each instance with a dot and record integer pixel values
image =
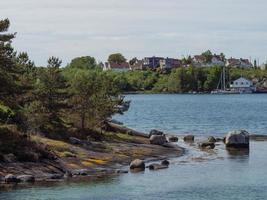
(137, 28)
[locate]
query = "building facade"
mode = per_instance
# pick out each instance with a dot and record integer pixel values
(152, 62)
(243, 85)
(169, 63)
(120, 67)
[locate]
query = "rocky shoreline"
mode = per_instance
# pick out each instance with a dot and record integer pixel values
(79, 159)
(131, 151)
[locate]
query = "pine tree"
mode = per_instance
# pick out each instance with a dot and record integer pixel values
(7, 64)
(51, 89)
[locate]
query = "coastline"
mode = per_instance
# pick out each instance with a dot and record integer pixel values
(76, 162)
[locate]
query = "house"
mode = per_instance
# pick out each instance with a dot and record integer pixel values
(217, 60)
(242, 85)
(199, 61)
(137, 65)
(245, 63)
(232, 62)
(120, 67)
(242, 63)
(169, 63)
(152, 62)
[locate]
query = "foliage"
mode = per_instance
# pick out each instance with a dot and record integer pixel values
(84, 62)
(116, 58)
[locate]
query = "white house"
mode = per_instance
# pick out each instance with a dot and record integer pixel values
(242, 85)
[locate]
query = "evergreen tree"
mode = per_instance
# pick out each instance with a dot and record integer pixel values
(7, 64)
(51, 88)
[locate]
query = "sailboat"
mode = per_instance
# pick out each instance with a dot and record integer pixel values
(221, 87)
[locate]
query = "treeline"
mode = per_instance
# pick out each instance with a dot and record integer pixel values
(181, 80)
(53, 100)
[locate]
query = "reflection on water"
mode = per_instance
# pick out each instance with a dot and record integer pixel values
(215, 174)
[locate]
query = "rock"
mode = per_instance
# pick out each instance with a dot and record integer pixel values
(138, 164)
(169, 145)
(171, 138)
(207, 145)
(9, 158)
(56, 176)
(74, 140)
(80, 172)
(10, 178)
(211, 139)
(67, 174)
(155, 132)
(189, 138)
(26, 178)
(157, 166)
(119, 171)
(157, 139)
(165, 162)
(237, 139)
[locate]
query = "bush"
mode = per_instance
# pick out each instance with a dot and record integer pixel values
(6, 114)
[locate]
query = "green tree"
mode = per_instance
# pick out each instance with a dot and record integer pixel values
(116, 58)
(208, 56)
(85, 62)
(51, 88)
(94, 97)
(8, 75)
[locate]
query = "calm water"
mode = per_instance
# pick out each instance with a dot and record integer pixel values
(198, 114)
(195, 176)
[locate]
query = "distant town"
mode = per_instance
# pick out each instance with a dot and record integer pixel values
(206, 59)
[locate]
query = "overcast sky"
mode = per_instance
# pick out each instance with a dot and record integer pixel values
(71, 28)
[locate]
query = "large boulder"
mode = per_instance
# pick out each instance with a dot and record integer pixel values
(189, 138)
(137, 164)
(237, 139)
(157, 139)
(155, 132)
(10, 178)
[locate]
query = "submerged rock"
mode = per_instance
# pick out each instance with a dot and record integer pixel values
(137, 164)
(26, 178)
(156, 166)
(165, 162)
(120, 171)
(211, 139)
(155, 132)
(237, 139)
(207, 145)
(157, 139)
(189, 138)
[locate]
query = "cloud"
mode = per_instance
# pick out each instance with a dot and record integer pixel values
(137, 28)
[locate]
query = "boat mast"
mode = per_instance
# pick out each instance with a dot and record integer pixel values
(224, 78)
